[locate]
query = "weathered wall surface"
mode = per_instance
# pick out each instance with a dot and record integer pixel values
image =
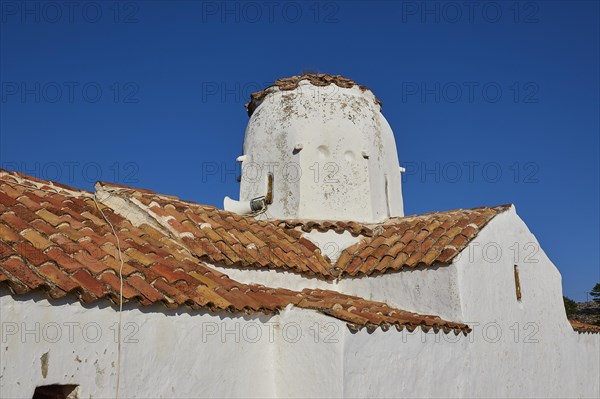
(164, 354)
(299, 354)
(529, 347)
(518, 348)
(330, 150)
(523, 348)
(420, 290)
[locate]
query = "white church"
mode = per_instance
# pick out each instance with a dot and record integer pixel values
(313, 283)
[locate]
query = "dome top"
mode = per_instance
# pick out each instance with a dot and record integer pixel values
(291, 83)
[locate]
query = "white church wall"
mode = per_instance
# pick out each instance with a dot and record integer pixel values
(517, 348)
(164, 353)
(403, 364)
(420, 290)
(309, 355)
(529, 347)
(417, 290)
(331, 361)
(480, 365)
(300, 353)
(330, 151)
(523, 348)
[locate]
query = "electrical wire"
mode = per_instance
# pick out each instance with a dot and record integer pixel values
(120, 298)
(120, 273)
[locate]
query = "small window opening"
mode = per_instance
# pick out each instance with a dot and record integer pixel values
(387, 197)
(55, 392)
(517, 283)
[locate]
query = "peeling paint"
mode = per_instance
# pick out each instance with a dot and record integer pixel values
(326, 180)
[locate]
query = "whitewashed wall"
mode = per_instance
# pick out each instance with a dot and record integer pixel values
(300, 354)
(166, 354)
(330, 151)
(537, 353)
(516, 349)
(417, 290)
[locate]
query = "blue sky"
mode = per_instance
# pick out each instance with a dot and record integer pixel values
(491, 103)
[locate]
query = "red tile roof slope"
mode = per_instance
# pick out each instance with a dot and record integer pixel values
(414, 241)
(227, 239)
(582, 328)
(54, 238)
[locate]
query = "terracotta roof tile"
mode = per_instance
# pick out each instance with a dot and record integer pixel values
(145, 289)
(214, 299)
(91, 264)
(6, 200)
(37, 239)
(14, 222)
(30, 253)
(42, 227)
(89, 283)
(398, 262)
(354, 228)
(114, 282)
(222, 237)
(584, 328)
(73, 257)
(3, 277)
(173, 295)
(8, 235)
(58, 277)
(19, 270)
(6, 250)
(316, 79)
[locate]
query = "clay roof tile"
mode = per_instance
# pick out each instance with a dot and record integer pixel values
(58, 241)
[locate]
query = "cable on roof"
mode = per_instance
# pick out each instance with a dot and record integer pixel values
(120, 297)
(55, 190)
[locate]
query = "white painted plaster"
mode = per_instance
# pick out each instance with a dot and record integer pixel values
(330, 151)
(517, 348)
(446, 290)
(562, 363)
(177, 353)
(300, 353)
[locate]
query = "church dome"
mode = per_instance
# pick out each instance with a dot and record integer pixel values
(319, 145)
